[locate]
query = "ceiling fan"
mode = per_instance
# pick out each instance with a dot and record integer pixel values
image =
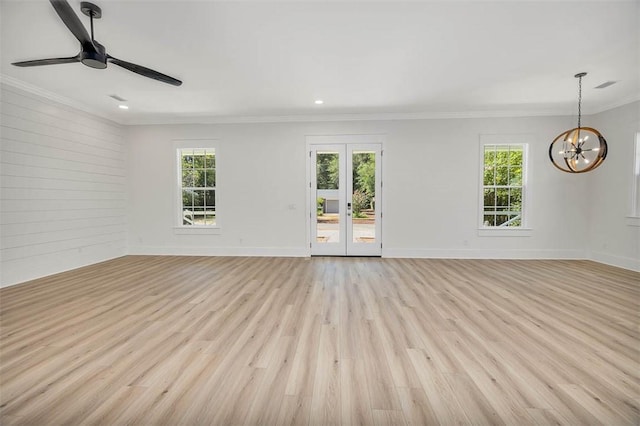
(92, 53)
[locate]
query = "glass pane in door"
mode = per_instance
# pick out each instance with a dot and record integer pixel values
(328, 197)
(363, 197)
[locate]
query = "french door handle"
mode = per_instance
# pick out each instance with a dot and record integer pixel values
(348, 206)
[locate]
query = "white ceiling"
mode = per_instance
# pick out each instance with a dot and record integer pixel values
(266, 60)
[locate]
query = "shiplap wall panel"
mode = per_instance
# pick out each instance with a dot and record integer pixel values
(33, 102)
(39, 195)
(68, 184)
(16, 219)
(38, 239)
(35, 159)
(22, 147)
(51, 226)
(62, 187)
(64, 144)
(61, 175)
(83, 137)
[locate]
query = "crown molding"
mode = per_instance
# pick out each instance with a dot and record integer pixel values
(301, 118)
(622, 102)
(54, 97)
(204, 119)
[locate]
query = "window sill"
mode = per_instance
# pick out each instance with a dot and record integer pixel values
(502, 232)
(196, 230)
(633, 221)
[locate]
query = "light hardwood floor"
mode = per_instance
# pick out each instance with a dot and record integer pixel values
(206, 340)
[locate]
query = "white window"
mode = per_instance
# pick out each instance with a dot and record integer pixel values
(503, 185)
(197, 195)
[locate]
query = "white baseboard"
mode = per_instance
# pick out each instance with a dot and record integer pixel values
(220, 251)
(21, 271)
(482, 254)
(389, 252)
(619, 261)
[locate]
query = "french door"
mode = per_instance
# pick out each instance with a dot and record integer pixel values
(346, 197)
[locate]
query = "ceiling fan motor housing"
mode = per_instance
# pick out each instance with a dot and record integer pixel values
(94, 57)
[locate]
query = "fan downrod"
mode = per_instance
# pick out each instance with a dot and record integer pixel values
(91, 10)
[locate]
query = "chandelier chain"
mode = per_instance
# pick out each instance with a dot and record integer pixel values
(579, 100)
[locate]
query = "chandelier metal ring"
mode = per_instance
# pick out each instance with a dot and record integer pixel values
(578, 150)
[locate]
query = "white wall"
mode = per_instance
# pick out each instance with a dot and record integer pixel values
(64, 184)
(430, 179)
(67, 191)
(612, 238)
(62, 188)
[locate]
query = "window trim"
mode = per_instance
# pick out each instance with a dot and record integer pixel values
(178, 227)
(524, 230)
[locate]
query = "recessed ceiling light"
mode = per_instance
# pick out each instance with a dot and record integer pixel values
(121, 106)
(319, 102)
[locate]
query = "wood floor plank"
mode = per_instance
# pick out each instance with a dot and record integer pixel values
(416, 407)
(388, 418)
(398, 336)
(382, 391)
(354, 393)
(267, 401)
(150, 340)
(325, 403)
(173, 401)
(478, 409)
(440, 395)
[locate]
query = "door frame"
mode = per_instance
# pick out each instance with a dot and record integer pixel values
(342, 139)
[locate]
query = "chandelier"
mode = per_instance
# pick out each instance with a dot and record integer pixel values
(580, 149)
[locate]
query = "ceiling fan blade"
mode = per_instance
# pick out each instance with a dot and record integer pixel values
(72, 22)
(138, 69)
(52, 61)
